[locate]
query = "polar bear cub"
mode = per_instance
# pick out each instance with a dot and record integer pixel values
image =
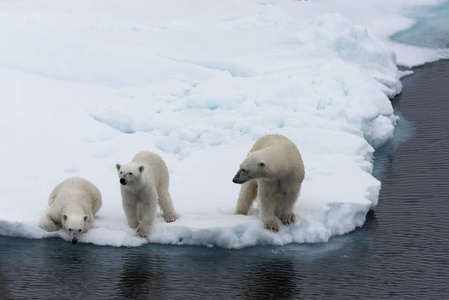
(273, 173)
(144, 184)
(72, 205)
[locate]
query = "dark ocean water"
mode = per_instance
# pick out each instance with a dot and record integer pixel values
(401, 252)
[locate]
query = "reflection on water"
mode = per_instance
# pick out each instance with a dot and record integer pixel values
(271, 279)
(142, 275)
(54, 269)
(4, 291)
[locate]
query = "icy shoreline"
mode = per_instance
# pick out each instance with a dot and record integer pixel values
(87, 88)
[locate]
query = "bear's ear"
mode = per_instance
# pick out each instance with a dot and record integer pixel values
(141, 169)
(118, 166)
(86, 218)
(64, 217)
(262, 164)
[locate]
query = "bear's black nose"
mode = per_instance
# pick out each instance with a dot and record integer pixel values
(74, 241)
(123, 181)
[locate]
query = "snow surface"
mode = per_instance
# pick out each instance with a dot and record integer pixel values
(87, 84)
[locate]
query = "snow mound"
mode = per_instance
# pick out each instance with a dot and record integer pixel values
(89, 86)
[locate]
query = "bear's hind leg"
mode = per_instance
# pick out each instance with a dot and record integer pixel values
(247, 195)
(166, 205)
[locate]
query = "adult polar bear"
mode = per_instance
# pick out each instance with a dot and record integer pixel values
(72, 205)
(144, 185)
(273, 172)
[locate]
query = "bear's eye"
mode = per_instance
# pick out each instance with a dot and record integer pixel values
(244, 170)
(70, 229)
(130, 174)
(79, 230)
(121, 172)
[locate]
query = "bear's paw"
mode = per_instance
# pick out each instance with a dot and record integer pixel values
(170, 218)
(272, 226)
(143, 231)
(288, 219)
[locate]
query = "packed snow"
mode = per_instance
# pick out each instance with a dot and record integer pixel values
(87, 84)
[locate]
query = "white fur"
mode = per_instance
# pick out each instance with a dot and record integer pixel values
(72, 205)
(144, 185)
(273, 173)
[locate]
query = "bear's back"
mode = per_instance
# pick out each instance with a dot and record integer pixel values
(283, 151)
(78, 190)
(154, 165)
(278, 144)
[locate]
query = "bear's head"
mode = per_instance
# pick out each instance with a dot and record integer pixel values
(129, 173)
(75, 225)
(253, 167)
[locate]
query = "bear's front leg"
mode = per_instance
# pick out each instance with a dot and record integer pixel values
(247, 195)
(131, 212)
(48, 224)
(288, 215)
(267, 202)
(149, 214)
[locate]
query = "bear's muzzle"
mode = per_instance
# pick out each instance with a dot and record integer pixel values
(237, 178)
